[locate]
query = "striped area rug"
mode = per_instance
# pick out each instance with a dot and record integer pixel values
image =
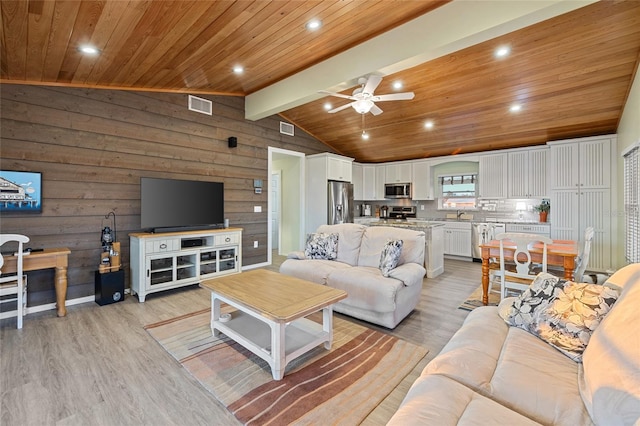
(475, 300)
(339, 386)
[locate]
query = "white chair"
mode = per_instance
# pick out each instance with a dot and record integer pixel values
(14, 283)
(582, 260)
(519, 278)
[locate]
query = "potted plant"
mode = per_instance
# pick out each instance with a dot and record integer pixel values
(543, 208)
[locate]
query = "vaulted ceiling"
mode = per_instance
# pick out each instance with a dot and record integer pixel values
(570, 67)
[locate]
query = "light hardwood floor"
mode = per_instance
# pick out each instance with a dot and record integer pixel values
(98, 366)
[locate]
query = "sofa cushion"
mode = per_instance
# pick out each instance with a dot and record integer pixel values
(438, 400)
(367, 288)
(611, 385)
(390, 256)
(349, 238)
(321, 245)
(376, 237)
(314, 270)
(514, 368)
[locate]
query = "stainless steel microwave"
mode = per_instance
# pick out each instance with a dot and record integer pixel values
(397, 190)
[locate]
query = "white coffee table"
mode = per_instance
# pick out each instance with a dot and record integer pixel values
(270, 318)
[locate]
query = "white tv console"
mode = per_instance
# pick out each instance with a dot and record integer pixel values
(176, 259)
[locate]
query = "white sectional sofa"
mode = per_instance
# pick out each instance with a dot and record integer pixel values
(493, 373)
(372, 297)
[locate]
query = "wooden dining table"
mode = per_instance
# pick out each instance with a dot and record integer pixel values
(559, 253)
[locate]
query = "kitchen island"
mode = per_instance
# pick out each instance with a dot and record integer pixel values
(434, 237)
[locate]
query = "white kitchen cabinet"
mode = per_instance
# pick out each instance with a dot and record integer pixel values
(339, 168)
(398, 172)
(581, 174)
(369, 182)
(527, 173)
(422, 181)
(380, 180)
(457, 239)
(492, 176)
(357, 178)
(176, 259)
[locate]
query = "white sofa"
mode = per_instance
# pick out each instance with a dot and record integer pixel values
(372, 297)
(491, 373)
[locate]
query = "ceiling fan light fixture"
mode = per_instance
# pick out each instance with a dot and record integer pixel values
(362, 106)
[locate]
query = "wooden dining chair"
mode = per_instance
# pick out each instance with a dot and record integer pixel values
(519, 276)
(14, 283)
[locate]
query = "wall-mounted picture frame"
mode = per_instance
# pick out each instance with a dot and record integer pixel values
(20, 192)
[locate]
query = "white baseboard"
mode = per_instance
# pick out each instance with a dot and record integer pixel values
(48, 307)
(255, 266)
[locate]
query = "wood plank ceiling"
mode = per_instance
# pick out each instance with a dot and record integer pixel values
(571, 74)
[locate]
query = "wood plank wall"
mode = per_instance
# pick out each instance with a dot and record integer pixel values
(92, 147)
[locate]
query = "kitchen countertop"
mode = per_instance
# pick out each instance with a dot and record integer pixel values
(440, 220)
(413, 223)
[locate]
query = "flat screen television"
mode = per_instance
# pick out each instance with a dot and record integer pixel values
(172, 204)
(20, 192)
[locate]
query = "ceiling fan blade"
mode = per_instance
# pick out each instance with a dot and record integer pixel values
(337, 95)
(394, 97)
(372, 82)
(375, 110)
(340, 108)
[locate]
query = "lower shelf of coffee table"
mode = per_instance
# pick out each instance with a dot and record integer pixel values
(254, 334)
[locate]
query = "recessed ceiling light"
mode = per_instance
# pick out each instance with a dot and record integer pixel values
(313, 24)
(397, 85)
(365, 135)
(515, 107)
(238, 69)
(327, 106)
(89, 50)
(428, 124)
(502, 51)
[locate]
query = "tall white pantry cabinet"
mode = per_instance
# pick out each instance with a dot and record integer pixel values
(582, 181)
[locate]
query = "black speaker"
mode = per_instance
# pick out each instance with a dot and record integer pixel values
(109, 287)
(233, 141)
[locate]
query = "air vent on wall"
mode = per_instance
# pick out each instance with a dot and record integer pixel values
(200, 105)
(286, 128)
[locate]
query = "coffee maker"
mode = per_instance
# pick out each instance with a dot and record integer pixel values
(384, 212)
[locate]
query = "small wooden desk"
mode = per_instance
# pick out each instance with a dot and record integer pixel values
(559, 253)
(270, 318)
(57, 258)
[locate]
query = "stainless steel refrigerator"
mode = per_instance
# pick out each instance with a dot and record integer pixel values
(340, 203)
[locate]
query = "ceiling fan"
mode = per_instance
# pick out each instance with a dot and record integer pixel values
(364, 99)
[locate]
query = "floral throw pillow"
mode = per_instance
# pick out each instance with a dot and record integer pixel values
(390, 256)
(562, 313)
(321, 246)
(536, 298)
(568, 322)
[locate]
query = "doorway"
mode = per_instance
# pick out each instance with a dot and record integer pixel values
(289, 223)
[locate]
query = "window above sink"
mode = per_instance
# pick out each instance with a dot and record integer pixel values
(458, 192)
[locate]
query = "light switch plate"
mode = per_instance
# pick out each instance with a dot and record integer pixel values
(257, 209)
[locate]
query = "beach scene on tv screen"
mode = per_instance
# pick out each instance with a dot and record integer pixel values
(20, 191)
